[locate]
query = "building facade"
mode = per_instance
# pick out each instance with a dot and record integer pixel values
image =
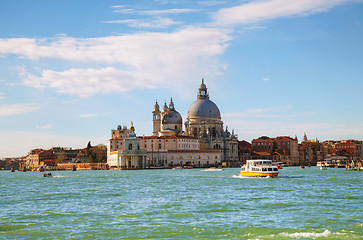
(203, 143)
(282, 149)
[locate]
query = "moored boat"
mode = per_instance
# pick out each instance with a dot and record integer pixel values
(213, 169)
(259, 168)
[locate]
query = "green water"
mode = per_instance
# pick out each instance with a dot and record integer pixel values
(181, 204)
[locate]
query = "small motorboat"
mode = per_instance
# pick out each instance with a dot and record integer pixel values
(188, 167)
(47, 175)
(177, 168)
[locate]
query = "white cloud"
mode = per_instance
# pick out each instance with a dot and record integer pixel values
(257, 11)
(2, 95)
(15, 109)
(254, 27)
(139, 61)
(48, 126)
(122, 9)
(266, 79)
(150, 23)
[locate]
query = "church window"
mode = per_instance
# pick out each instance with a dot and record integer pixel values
(130, 146)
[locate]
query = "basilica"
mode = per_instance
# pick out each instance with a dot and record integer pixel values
(204, 142)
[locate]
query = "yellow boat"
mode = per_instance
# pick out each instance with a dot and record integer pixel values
(259, 168)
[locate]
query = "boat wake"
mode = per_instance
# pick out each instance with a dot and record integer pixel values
(239, 176)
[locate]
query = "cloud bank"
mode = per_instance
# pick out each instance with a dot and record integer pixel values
(16, 109)
(135, 61)
(257, 11)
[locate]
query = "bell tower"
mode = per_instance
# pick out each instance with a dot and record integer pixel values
(156, 119)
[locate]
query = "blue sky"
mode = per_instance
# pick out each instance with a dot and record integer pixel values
(70, 71)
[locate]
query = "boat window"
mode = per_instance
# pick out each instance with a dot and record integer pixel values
(270, 169)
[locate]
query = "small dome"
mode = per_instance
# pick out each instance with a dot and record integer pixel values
(156, 106)
(172, 117)
(203, 108)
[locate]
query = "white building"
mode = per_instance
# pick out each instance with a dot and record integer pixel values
(203, 143)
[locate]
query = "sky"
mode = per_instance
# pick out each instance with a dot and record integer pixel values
(70, 71)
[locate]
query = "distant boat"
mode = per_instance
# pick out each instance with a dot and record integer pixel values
(47, 175)
(259, 168)
(213, 169)
(177, 168)
(323, 167)
(188, 167)
(302, 166)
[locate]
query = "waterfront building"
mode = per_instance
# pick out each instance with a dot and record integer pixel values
(310, 152)
(244, 151)
(36, 156)
(347, 146)
(203, 143)
(280, 149)
(359, 151)
(128, 155)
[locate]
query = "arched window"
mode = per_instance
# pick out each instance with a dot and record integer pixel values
(130, 146)
(217, 146)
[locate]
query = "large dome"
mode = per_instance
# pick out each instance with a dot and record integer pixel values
(172, 117)
(203, 108)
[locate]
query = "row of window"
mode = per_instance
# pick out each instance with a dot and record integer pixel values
(172, 157)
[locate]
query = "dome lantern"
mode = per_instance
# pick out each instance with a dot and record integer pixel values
(156, 106)
(171, 105)
(165, 108)
(203, 93)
